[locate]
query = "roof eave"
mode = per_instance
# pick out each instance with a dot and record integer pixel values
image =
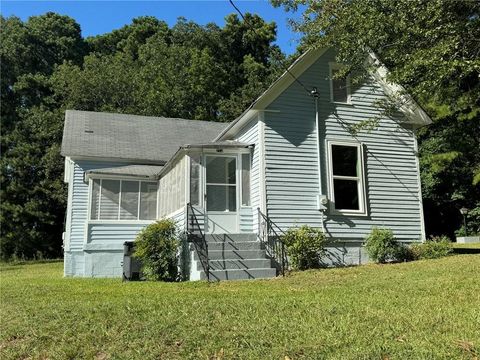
(410, 108)
(302, 63)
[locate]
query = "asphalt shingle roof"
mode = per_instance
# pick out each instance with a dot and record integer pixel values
(131, 137)
(143, 171)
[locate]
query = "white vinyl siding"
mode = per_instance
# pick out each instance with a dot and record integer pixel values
(291, 158)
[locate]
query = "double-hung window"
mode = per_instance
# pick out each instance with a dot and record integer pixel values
(123, 200)
(339, 86)
(347, 189)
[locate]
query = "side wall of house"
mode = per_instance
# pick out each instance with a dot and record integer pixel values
(93, 248)
(248, 215)
(292, 179)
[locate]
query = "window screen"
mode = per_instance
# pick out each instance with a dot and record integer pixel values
(109, 197)
(95, 199)
(123, 200)
(246, 180)
(129, 201)
(148, 201)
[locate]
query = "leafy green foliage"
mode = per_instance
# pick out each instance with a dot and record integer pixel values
(156, 247)
(434, 248)
(146, 68)
(382, 247)
(431, 48)
(33, 196)
(305, 247)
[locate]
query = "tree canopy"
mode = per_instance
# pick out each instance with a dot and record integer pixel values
(147, 68)
(432, 48)
(212, 73)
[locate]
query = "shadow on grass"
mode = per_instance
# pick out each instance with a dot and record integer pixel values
(466, 250)
(29, 262)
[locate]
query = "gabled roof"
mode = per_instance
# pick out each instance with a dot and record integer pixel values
(131, 137)
(413, 112)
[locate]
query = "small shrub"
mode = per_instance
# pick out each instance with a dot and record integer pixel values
(156, 247)
(382, 246)
(305, 247)
(404, 253)
(434, 248)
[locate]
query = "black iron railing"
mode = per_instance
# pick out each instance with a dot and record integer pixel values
(270, 235)
(197, 237)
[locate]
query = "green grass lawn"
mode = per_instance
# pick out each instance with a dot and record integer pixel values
(418, 310)
(466, 246)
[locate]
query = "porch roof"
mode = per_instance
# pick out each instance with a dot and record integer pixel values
(227, 144)
(140, 171)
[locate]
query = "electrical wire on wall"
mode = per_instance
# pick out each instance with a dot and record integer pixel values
(313, 93)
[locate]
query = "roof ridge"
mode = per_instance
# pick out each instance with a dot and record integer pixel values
(143, 116)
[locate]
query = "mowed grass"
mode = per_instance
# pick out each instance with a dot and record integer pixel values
(418, 310)
(466, 246)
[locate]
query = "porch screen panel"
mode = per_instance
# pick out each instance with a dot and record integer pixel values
(148, 201)
(181, 182)
(95, 199)
(129, 200)
(246, 180)
(195, 179)
(109, 199)
(172, 189)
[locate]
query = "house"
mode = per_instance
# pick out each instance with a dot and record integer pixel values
(288, 160)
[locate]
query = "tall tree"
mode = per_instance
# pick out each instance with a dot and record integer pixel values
(431, 48)
(32, 193)
(190, 71)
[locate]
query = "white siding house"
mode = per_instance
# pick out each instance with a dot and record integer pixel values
(288, 160)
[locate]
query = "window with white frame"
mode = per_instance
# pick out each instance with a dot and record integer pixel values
(347, 191)
(246, 180)
(123, 200)
(339, 86)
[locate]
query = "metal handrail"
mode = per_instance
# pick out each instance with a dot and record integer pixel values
(198, 238)
(270, 235)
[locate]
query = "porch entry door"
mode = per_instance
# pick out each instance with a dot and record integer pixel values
(221, 193)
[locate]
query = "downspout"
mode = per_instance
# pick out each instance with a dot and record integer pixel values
(321, 198)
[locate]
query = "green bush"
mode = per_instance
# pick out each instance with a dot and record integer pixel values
(382, 246)
(434, 248)
(305, 247)
(156, 247)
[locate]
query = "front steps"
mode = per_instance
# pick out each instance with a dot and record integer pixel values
(235, 257)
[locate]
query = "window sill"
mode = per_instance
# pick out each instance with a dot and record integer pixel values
(342, 103)
(348, 213)
(114, 222)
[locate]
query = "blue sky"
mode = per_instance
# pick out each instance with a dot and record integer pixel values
(98, 17)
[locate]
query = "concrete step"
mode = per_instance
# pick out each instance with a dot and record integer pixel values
(233, 254)
(237, 264)
(239, 274)
(231, 237)
(244, 245)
